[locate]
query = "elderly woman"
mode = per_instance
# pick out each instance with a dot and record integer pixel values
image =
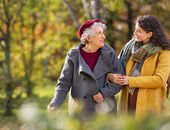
(85, 73)
(146, 60)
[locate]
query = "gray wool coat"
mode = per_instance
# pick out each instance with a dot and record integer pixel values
(83, 84)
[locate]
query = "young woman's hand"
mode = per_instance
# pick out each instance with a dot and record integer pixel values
(125, 80)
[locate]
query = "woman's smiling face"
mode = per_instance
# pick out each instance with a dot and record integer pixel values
(141, 35)
(98, 38)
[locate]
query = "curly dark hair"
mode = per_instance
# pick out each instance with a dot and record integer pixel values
(151, 24)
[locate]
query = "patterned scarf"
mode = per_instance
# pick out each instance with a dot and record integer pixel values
(138, 52)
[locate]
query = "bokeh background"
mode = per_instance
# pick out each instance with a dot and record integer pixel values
(35, 36)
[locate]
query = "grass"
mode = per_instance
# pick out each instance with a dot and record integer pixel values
(39, 102)
(42, 95)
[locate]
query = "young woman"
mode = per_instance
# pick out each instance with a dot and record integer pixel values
(146, 59)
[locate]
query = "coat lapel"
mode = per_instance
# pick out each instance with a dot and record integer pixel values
(83, 67)
(101, 68)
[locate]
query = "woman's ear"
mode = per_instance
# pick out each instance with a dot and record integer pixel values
(88, 38)
(150, 34)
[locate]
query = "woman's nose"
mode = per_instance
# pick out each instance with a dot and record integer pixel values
(103, 35)
(134, 33)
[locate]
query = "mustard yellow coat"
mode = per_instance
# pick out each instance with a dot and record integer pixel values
(152, 84)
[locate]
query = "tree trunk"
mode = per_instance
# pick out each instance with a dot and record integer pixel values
(46, 62)
(31, 63)
(86, 5)
(72, 14)
(8, 80)
(130, 18)
(92, 8)
(96, 5)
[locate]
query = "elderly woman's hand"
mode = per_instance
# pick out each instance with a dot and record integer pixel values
(98, 97)
(50, 108)
(115, 78)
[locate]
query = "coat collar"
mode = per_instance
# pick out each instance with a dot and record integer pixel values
(83, 67)
(102, 65)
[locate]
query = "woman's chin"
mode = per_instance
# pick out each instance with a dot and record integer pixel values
(102, 44)
(138, 40)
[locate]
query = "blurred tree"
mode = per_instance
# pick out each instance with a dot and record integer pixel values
(9, 10)
(92, 8)
(72, 13)
(30, 25)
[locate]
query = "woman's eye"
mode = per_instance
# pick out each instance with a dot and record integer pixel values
(138, 31)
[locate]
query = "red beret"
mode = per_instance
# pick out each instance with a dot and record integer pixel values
(87, 25)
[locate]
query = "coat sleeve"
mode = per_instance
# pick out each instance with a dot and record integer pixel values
(160, 76)
(64, 83)
(111, 88)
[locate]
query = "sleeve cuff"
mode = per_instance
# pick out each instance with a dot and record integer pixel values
(108, 81)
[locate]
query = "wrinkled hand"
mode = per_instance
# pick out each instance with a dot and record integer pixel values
(115, 78)
(51, 108)
(98, 97)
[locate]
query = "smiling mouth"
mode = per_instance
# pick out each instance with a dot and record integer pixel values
(102, 41)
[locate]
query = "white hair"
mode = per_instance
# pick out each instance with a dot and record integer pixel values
(89, 31)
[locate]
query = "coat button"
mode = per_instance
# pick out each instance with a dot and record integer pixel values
(84, 78)
(84, 97)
